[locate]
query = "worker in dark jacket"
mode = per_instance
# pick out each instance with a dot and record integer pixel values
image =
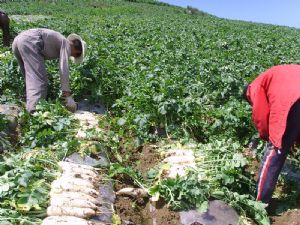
(274, 96)
(4, 24)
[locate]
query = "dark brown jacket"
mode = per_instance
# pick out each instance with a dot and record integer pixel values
(4, 24)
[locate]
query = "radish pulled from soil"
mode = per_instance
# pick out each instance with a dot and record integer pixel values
(70, 211)
(75, 195)
(67, 202)
(133, 192)
(65, 220)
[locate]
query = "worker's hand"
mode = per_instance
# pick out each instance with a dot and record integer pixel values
(70, 103)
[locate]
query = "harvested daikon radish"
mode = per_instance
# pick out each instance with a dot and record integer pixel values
(133, 192)
(177, 170)
(70, 211)
(75, 170)
(65, 187)
(180, 159)
(65, 220)
(75, 195)
(179, 152)
(67, 202)
(73, 181)
(93, 179)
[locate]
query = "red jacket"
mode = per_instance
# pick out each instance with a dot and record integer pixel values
(272, 94)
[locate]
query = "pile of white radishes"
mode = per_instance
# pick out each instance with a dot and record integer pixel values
(74, 196)
(87, 120)
(179, 159)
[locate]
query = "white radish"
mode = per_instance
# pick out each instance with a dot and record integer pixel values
(65, 220)
(67, 202)
(133, 192)
(179, 159)
(176, 170)
(70, 211)
(76, 170)
(75, 195)
(179, 152)
(93, 179)
(73, 181)
(65, 187)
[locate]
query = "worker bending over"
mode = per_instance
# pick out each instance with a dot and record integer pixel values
(32, 47)
(274, 96)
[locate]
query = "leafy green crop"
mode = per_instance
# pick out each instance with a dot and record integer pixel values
(4, 142)
(157, 67)
(161, 72)
(26, 173)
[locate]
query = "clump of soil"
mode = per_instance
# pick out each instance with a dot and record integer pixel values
(285, 211)
(142, 211)
(290, 217)
(134, 213)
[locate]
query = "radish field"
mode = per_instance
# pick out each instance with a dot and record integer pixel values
(165, 75)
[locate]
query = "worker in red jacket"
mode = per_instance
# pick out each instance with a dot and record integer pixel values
(274, 96)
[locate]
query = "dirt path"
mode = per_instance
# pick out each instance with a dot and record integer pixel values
(288, 218)
(286, 214)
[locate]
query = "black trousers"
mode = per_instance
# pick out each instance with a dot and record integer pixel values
(274, 158)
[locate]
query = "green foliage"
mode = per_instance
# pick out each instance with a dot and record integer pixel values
(11, 82)
(159, 68)
(4, 142)
(48, 124)
(3, 122)
(161, 72)
(47, 136)
(116, 168)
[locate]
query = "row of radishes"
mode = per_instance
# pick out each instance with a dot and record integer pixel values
(74, 197)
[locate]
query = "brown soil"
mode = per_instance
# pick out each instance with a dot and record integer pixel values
(291, 217)
(134, 213)
(285, 211)
(148, 159)
(141, 211)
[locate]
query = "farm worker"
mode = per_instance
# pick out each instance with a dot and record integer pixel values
(32, 47)
(4, 24)
(275, 99)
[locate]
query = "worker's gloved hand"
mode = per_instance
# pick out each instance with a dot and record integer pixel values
(70, 103)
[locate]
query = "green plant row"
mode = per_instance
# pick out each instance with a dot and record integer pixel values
(28, 167)
(161, 72)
